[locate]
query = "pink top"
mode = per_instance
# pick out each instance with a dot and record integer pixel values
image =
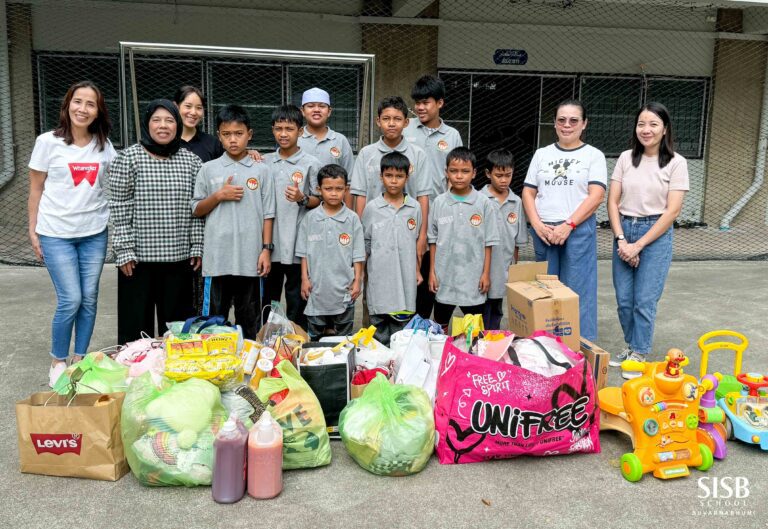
(644, 188)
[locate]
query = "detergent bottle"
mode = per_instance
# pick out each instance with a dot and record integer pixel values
(229, 465)
(265, 458)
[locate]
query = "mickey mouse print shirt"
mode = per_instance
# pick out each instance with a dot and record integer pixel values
(73, 203)
(562, 178)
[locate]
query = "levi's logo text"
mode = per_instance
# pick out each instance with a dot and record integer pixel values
(476, 220)
(345, 239)
(57, 443)
(84, 171)
(510, 422)
(563, 170)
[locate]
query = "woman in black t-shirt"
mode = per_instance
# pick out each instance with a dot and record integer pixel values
(191, 104)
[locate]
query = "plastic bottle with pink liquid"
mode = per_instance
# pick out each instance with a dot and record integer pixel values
(229, 465)
(265, 458)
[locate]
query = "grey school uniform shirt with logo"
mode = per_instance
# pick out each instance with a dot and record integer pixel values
(331, 245)
(390, 243)
(436, 143)
(510, 218)
(366, 175)
(299, 169)
(461, 229)
(233, 229)
(334, 148)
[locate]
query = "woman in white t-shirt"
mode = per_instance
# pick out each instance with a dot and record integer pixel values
(564, 186)
(646, 195)
(68, 215)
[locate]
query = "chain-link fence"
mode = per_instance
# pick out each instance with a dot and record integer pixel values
(506, 64)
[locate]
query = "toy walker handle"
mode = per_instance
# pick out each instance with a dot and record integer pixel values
(753, 382)
(633, 365)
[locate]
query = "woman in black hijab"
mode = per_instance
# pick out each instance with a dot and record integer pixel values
(157, 241)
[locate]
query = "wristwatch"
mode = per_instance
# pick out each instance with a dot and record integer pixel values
(304, 201)
(269, 247)
(619, 238)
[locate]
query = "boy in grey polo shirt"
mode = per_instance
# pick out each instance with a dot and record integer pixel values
(332, 251)
(294, 174)
(318, 139)
(237, 198)
(366, 175)
(437, 139)
(462, 231)
(391, 224)
(500, 165)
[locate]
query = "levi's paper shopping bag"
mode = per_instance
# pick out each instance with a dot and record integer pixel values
(78, 439)
(486, 409)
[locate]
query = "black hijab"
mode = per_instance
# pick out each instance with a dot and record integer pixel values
(169, 149)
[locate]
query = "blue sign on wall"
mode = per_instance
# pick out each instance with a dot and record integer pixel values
(508, 56)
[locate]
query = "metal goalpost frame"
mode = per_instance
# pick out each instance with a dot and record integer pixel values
(128, 69)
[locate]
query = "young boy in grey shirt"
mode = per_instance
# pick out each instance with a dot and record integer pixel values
(236, 196)
(500, 165)
(462, 231)
(332, 251)
(391, 225)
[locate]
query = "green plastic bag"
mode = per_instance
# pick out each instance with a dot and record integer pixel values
(305, 438)
(168, 430)
(98, 373)
(390, 429)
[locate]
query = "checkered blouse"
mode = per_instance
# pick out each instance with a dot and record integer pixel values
(149, 206)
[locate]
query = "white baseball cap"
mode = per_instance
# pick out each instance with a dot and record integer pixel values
(315, 95)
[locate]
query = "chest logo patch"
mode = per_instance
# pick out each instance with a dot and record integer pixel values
(345, 239)
(297, 177)
(411, 223)
(476, 220)
(442, 145)
(335, 152)
(252, 183)
(84, 171)
(512, 218)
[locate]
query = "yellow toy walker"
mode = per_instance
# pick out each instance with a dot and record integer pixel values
(660, 412)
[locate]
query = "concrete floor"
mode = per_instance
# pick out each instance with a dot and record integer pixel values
(568, 491)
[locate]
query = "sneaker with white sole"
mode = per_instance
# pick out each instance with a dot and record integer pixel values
(619, 358)
(55, 372)
(637, 357)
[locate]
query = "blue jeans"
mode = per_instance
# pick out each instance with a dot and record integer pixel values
(638, 290)
(575, 263)
(75, 267)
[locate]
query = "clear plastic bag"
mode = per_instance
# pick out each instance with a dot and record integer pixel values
(390, 429)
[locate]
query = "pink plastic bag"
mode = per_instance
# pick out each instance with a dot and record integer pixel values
(494, 410)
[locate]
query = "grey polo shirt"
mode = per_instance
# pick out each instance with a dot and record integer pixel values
(461, 230)
(233, 230)
(366, 175)
(436, 145)
(513, 232)
(390, 243)
(331, 246)
(334, 148)
(300, 168)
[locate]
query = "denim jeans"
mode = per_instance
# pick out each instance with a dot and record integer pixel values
(575, 263)
(638, 290)
(75, 267)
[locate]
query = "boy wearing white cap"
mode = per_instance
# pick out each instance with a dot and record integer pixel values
(318, 139)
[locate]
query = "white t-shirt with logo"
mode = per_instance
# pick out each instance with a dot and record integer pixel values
(74, 203)
(562, 177)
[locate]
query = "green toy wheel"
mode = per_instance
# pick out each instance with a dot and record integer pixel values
(632, 468)
(706, 458)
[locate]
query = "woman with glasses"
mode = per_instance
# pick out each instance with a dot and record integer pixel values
(564, 187)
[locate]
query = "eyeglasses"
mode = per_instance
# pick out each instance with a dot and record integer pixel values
(571, 121)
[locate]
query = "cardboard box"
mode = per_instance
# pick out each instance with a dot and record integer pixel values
(598, 358)
(537, 301)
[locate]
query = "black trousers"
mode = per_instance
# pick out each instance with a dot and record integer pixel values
(164, 289)
(444, 312)
(425, 299)
(242, 292)
(290, 275)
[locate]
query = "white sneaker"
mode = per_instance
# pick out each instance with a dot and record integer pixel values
(637, 357)
(55, 372)
(616, 362)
